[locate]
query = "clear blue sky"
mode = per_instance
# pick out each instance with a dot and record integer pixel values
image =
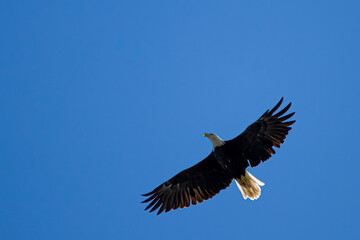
(101, 101)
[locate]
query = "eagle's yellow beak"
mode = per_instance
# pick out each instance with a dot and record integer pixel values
(205, 134)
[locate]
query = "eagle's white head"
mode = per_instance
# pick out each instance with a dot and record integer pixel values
(215, 140)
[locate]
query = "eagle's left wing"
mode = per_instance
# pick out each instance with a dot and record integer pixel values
(257, 141)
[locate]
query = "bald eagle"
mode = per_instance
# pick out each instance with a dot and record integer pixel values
(227, 161)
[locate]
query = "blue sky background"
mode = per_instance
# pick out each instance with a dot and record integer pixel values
(101, 101)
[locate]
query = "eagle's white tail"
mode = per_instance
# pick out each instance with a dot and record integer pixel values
(249, 186)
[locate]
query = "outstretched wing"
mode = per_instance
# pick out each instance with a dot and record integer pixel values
(195, 184)
(257, 141)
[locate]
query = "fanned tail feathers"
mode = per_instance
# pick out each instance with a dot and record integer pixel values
(249, 186)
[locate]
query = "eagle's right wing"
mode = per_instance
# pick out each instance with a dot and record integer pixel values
(195, 184)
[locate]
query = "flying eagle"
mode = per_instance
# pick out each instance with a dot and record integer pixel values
(227, 161)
